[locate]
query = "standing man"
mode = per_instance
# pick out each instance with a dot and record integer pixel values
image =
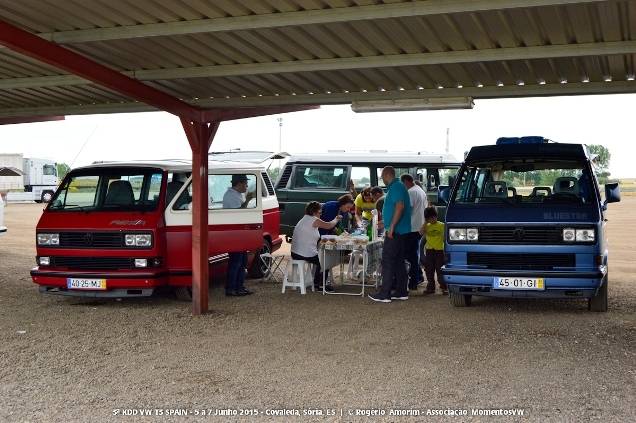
(396, 214)
(235, 198)
(412, 249)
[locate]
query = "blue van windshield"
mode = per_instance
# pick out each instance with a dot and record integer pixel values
(525, 182)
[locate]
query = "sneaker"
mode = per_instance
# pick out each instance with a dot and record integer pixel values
(328, 288)
(401, 298)
(376, 297)
(245, 291)
(444, 291)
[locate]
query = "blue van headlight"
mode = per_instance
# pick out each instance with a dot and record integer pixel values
(585, 235)
(579, 235)
(463, 234)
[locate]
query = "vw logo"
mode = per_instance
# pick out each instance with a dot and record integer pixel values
(88, 239)
(518, 234)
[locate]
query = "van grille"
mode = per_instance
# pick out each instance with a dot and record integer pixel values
(93, 263)
(91, 240)
(520, 235)
(284, 178)
(505, 261)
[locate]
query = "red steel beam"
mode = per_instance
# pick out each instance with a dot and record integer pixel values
(200, 136)
(49, 52)
(29, 119)
(248, 112)
(200, 126)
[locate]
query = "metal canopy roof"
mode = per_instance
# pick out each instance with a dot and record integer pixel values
(227, 53)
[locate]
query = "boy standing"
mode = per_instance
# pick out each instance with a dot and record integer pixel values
(434, 233)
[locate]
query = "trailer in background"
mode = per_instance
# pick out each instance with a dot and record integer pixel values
(37, 183)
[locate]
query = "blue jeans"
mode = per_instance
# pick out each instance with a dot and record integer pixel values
(412, 255)
(236, 271)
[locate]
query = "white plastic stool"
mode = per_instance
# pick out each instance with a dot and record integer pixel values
(354, 263)
(298, 274)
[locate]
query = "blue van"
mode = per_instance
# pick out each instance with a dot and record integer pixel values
(526, 218)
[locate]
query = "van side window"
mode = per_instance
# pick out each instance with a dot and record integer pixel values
(175, 182)
(399, 171)
(361, 176)
(49, 170)
(221, 194)
(155, 187)
(320, 177)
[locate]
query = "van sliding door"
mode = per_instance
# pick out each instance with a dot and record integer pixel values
(235, 218)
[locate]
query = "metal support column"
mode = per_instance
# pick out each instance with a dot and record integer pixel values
(200, 136)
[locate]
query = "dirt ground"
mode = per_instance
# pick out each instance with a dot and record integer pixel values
(64, 359)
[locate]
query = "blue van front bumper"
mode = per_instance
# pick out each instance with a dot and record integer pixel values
(558, 284)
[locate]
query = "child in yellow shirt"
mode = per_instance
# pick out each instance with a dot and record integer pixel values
(434, 233)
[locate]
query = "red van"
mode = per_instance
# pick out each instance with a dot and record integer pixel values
(124, 229)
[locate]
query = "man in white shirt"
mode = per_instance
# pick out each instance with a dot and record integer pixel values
(412, 248)
(233, 199)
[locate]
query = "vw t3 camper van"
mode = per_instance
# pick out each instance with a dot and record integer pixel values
(326, 176)
(124, 229)
(526, 218)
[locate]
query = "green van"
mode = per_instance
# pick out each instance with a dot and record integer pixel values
(326, 176)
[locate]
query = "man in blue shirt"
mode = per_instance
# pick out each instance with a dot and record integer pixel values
(396, 214)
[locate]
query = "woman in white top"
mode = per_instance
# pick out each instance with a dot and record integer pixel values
(306, 236)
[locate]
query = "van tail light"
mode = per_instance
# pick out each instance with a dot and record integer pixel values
(599, 260)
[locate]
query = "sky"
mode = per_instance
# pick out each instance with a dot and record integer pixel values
(80, 140)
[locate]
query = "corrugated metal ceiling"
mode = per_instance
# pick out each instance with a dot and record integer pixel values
(259, 52)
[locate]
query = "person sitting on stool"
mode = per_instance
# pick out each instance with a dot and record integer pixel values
(305, 240)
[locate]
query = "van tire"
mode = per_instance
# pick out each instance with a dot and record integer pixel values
(460, 300)
(46, 197)
(183, 293)
(259, 270)
(598, 303)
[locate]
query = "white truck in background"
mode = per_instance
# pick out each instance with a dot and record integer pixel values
(3, 228)
(37, 183)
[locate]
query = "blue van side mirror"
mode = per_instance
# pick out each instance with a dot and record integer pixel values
(612, 193)
(443, 195)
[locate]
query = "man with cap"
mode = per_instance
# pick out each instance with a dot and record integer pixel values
(233, 199)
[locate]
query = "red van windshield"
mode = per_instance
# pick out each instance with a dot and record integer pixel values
(103, 189)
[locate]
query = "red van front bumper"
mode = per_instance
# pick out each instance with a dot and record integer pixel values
(118, 284)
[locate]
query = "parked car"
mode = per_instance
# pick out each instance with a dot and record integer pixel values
(124, 229)
(526, 218)
(326, 176)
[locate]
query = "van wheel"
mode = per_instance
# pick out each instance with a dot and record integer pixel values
(261, 268)
(47, 196)
(183, 293)
(599, 302)
(460, 300)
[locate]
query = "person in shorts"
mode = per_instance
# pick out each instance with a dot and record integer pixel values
(433, 230)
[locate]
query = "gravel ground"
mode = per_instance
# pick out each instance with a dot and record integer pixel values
(65, 359)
